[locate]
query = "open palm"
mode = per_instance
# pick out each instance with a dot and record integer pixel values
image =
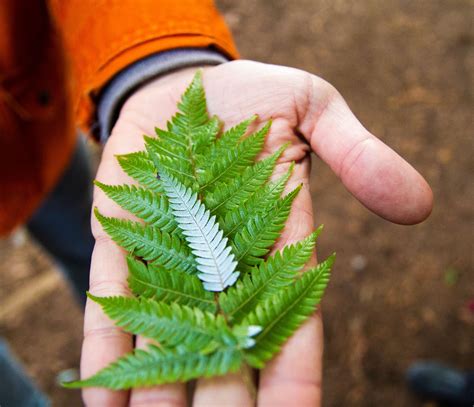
(311, 115)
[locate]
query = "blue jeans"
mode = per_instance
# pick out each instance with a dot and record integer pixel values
(62, 226)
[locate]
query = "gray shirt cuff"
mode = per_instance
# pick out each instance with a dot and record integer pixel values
(125, 82)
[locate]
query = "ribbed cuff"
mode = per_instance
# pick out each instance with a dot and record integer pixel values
(125, 82)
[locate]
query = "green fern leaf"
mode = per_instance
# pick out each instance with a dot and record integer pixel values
(261, 231)
(283, 313)
(205, 136)
(215, 262)
(151, 207)
(279, 270)
(180, 169)
(168, 287)
(208, 215)
(170, 325)
(228, 141)
(193, 110)
(260, 202)
(232, 162)
(158, 366)
(140, 167)
(149, 243)
(228, 196)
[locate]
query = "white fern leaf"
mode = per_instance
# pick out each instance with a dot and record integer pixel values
(215, 262)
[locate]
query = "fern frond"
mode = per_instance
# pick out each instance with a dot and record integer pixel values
(260, 202)
(283, 313)
(149, 243)
(215, 262)
(168, 286)
(207, 214)
(140, 167)
(153, 208)
(156, 365)
(279, 270)
(232, 162)
(181, 170)
(168, 145)
(231, 195)
(192, 111)
(227, 141)
(261, 231)
(205, 135)
(169, 325)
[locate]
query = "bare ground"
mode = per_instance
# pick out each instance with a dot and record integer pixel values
(398, 293)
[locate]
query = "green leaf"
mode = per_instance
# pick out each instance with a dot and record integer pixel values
(158, 366)
(193, 110)
(228, 141)
(233, 162)
(170, 325)
(261, 231)
(205, 136)
(279, 270)
(208, 215)
(260, 202)
(179, 168)
(283, 313)
(149, 243)
(140, 167)
(231, 195)
(168, 287)
(153, 208)
(214, 259)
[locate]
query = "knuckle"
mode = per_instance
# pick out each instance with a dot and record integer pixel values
(102, 288)
(106, 332)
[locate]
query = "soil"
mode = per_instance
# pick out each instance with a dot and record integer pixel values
(398, 294)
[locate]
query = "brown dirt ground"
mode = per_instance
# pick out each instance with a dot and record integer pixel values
(398, 294)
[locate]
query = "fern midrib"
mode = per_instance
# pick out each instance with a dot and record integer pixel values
(173, 154)
(236, 190)
(226, 170)
(205, 238)
(175, 170)
(133, 235)
(261, 232)
(242, 222)
(265, 284)
(298, 299)
(178, 293)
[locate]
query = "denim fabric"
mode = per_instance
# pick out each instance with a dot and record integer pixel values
(62, 223)
(62, 226)
(16, 389)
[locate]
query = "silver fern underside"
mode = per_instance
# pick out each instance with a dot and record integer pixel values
(216, 263)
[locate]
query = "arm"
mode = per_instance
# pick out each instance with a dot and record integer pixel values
(104, 37)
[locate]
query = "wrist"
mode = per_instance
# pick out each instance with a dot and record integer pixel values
(129, 81)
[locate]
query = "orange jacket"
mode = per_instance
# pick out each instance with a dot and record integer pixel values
(55, 56)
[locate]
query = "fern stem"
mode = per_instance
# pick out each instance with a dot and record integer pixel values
(248, 376)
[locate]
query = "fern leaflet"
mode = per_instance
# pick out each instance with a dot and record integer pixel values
(149, 243)
(282, 313)
(268, 278)
(180, 288)
(156, 365)
(215, 262)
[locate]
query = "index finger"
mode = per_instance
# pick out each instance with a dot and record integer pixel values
(294, 376)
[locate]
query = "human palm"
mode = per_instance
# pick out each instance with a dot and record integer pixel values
(309, 114)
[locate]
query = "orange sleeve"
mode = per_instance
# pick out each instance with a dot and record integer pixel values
(103, 37)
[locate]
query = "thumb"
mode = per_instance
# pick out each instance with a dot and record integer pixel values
(375, 174)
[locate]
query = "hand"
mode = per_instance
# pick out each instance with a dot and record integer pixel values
(311, 115)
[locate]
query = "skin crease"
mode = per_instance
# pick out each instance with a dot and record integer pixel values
(309, 113)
